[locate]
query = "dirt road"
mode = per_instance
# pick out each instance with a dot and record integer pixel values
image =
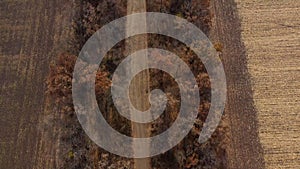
(31, 33)
(140, 84)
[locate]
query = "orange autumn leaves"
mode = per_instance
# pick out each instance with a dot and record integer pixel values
(59, 81)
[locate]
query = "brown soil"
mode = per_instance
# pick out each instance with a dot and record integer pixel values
(31, 34)
(244, 149)
(36, 134)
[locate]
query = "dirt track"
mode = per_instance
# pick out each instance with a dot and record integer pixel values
(31, 33)
(138, 92)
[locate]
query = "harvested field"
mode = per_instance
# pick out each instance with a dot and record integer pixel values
(32, 32)
(257, 41)
(271, 34)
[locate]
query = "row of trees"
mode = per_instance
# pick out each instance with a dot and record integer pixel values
(77, 149)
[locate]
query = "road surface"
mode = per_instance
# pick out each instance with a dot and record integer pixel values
(140, 85)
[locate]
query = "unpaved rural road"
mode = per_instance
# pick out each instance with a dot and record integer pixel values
(140, 84)
(31, 32)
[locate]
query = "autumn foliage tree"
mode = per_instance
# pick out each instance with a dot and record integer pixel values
(74, 143)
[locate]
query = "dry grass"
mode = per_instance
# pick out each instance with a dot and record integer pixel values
(271, 37)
